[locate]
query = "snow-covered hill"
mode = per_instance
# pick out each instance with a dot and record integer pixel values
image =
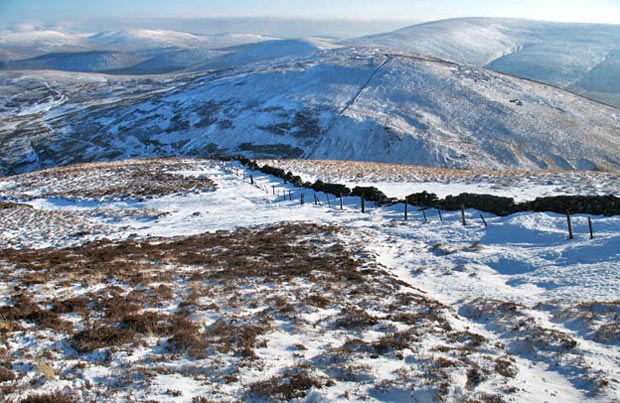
(35, 43)
(147, 39)
(94, 61)
(346, 103)
(579, 57)
(160, 50)
(250, 53)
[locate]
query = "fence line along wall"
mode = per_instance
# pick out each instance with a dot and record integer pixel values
(497, 205)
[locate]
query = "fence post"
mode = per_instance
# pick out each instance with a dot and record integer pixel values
(424, 214)
(340, 201)
(483, 221)
(316, 201)
(440, 217)
(301, 198)
(570, 225)
(406, 209)
(274, 190)
(252, 179)
(363, 205)
(590, 226)
(463, 214)
(328, 202)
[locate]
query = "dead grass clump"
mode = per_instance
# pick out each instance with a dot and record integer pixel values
(70, 305)
(599, 319)
(5, 205)
(396, 341)
(351, 346)
(441, 250)
(6, 374)
(476, 246)
(467, 338)
(608, 333)
(6, 326)
(416, 306)
(537, 339)
(282, 306)
(475, 377)
(163, 293)
(25, 308)
(186, 338)
(286, 387)
(442, 362)
(505, 367)
(353, 318)
(238, 337)
(100, 337)
(317, 300)
(115, 308)
(148, 323)
(46, 370)
(487, 309)
(53, 397)
(408, 318)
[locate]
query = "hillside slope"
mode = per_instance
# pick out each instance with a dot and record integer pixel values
(577, 57)
(179, 280)
(356, 104)
(93, 61)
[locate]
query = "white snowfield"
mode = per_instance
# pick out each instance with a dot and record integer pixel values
(531, 315)
(553, 53)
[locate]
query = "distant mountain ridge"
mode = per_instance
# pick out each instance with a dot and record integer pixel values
(353, 103)
(140, 51)
(583, 58)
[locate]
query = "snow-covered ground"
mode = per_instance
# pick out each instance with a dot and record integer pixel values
(361, 104)
(553, 53)
(389, 310)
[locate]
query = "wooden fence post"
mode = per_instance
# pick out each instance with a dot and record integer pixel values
(340, 201)
(463, 215)
(328, 202)
(424, 214)
(274, 190)
(252, 179)
(483, 221)
(406, 209)
(316, 201)
(570, 225)
(590, 226)
(301, 198)
(440, 217)
(363, 205)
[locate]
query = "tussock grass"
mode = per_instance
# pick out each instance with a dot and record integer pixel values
(131, 179)
(209, 306)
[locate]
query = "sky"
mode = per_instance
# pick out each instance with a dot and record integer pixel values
(69, 12)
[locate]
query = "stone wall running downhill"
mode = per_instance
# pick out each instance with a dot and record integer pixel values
(497, 205)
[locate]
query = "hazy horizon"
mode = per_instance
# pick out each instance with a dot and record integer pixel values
(285, 18)
(270, 26)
